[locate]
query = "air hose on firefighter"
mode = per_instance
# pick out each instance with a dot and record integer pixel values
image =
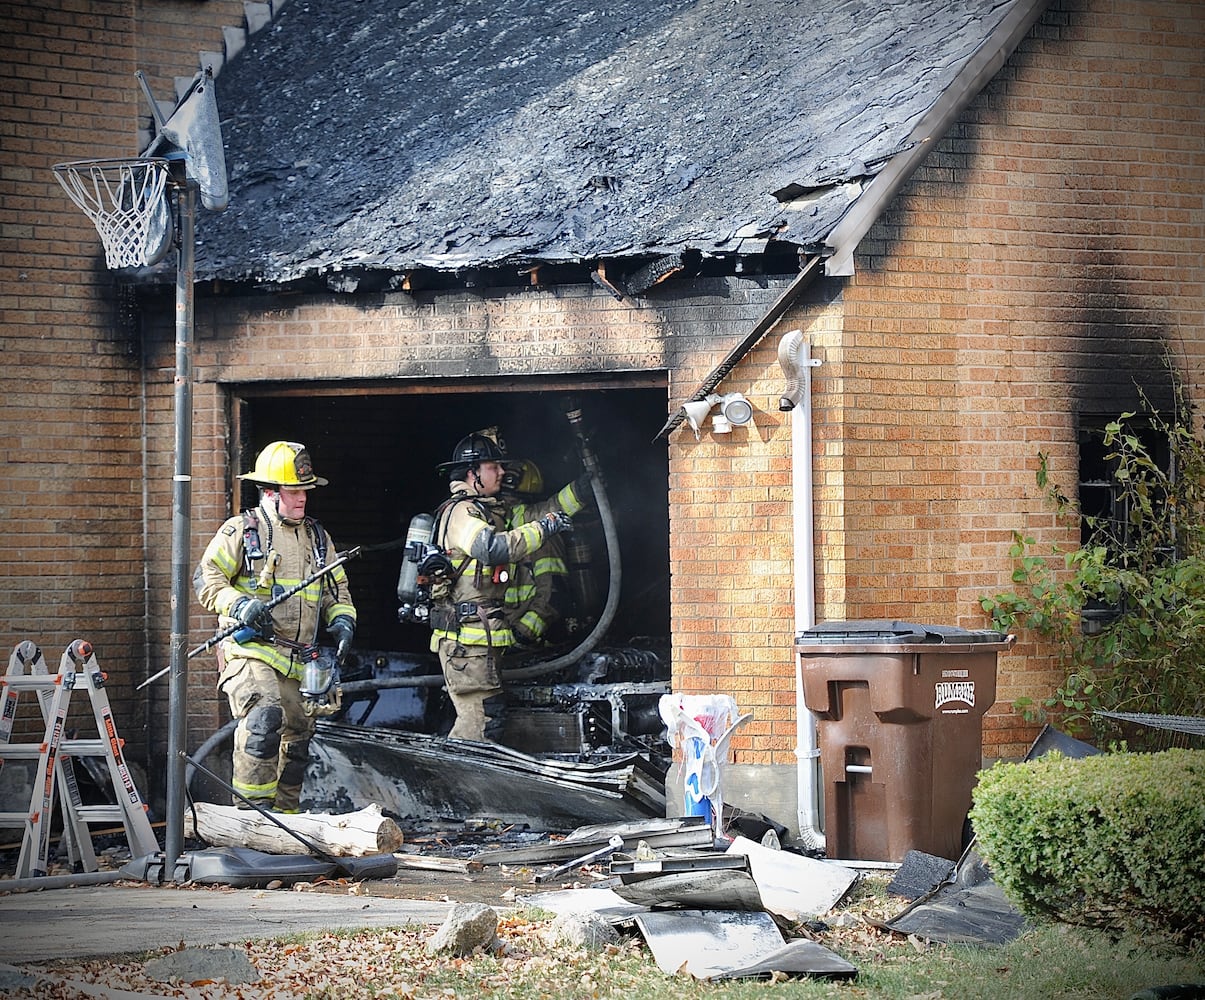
(590, 461)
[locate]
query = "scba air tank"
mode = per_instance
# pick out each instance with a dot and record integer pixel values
(418, 536)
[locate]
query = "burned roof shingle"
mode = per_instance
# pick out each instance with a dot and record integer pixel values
(432, 135)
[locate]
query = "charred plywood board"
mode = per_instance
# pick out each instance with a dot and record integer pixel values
(417, 776)
(967, 907)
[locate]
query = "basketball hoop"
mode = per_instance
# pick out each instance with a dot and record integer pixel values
(125, 201)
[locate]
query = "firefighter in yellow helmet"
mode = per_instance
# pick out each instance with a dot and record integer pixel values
(253, 558)
(470, 630)
(536, 592)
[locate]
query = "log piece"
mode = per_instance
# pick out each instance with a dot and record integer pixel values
(355, 834)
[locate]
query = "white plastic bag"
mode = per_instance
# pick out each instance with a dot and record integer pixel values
(700, 726)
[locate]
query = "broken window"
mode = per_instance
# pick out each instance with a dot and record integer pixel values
(1106, 514)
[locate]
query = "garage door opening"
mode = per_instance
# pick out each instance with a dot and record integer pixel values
(379, 446)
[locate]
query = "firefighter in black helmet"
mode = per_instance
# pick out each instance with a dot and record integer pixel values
(470, 631)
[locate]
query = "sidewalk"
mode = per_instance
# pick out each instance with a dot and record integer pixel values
(107, 920)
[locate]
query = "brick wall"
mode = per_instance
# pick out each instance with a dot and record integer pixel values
(71, 406)
(70, 501)
(1041, 261)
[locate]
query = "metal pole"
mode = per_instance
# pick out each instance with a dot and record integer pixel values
(181, 523)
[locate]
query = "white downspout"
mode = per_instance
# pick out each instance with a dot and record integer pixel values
(794, 356)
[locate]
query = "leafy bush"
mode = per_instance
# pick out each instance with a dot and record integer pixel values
(1138, 580)
(1113, 841)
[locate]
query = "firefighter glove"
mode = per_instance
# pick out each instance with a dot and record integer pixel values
(251, 611)
(583, 487)
(525, 639)
(554, 522)
(342, 630)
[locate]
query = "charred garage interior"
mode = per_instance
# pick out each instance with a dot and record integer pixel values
(379, 445)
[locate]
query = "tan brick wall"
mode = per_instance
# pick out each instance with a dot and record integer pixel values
(71, 505)
(70, 501)
(1042, 258)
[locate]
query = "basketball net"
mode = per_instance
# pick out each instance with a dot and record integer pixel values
(125, 201)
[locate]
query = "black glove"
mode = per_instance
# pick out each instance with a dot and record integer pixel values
(554, 522)
(251, 611)
(525, 639)
(583, 487)
(342, 630)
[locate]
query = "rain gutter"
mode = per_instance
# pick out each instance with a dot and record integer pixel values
(844, 238)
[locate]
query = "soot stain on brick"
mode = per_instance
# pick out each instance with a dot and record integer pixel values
(1120, 350)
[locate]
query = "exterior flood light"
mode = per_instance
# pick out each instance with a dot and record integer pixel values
(734, 411)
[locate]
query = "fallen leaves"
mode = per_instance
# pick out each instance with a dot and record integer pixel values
(392, 963)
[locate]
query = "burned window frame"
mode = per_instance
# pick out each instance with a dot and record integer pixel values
(1104, 510)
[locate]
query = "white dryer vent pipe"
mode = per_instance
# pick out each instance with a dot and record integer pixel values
(792, 368)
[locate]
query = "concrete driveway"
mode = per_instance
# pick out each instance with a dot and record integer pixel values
(107, 920)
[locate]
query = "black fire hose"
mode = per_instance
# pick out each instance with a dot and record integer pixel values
(612, 538)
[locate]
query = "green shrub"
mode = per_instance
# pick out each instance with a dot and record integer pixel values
(1115, 841)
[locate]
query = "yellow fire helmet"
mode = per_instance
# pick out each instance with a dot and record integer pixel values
(284, 463)
(531, 481)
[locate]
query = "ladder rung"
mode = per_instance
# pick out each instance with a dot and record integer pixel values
(34, 682)
(98, 814)
(54, 696)
(70, 748)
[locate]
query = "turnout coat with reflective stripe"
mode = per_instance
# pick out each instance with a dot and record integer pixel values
(471, 529)
(294, 552)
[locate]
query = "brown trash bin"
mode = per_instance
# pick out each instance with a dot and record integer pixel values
(899, 711)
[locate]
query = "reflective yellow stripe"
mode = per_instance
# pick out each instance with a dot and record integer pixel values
(279, 660)
(224, 560)
(472, 634)
(264, 791)
(520, 592)
(534, 623)
(567, 498)
(532, 532)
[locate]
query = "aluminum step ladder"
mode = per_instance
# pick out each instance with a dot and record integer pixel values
(56, 756)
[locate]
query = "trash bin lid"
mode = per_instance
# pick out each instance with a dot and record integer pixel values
(884, 631)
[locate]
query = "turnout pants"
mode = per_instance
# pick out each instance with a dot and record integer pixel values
(272, 739)
(472, 677)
